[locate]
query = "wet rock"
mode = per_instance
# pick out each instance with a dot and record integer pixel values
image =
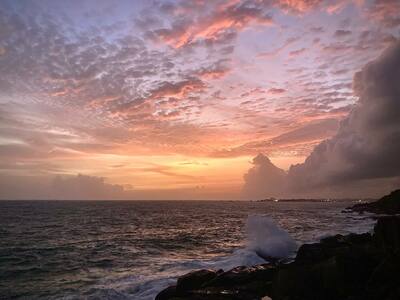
(253, 282)
(168, 293)
(241, 283)
(196, 279)
(241, 275)
(310, 253)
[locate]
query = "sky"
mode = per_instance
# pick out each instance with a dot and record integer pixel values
(235, 99)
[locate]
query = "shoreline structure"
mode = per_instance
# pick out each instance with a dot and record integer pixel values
(346, 267)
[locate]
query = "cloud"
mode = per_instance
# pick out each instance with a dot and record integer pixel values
(368, 140)
(223, 19)
(215, 71)
(297, 52)
(385, 12)
(295, 141)
(67, 187)
(342, 33)
(97, 88)
(278, 50)
(276, 91)
(219, 22)
(264, 179)
(299, 6)
(85, 187)
(82, 87)
(317, 29)
(367, 144)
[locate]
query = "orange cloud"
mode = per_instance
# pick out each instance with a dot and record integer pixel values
(385, 13)
(300, 6)
(233, 16)
(178, 90)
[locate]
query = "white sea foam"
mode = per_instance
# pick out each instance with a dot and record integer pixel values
(266, 238)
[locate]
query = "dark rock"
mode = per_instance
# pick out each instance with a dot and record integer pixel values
(335, 277)
(253, 282)
(195, 279)
(387, 234)
(384, 282)
(334, 240)
(310, 253)
(241, 275)
(389, 204)
(331, 246)
(167, 293)
(358, 238)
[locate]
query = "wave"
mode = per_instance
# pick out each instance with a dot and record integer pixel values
(264, 239)
(267, 239)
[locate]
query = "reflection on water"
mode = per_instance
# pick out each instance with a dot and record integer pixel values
(131, 249)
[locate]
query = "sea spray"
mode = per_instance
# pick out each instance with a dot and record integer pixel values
(267, 239)
(264, 240)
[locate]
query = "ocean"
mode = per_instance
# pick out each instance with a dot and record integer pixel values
(134, 249)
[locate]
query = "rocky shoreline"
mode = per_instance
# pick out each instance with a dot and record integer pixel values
(354, 266)
(388, 205)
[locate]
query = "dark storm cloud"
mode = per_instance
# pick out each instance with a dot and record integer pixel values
(367, 145)
(368, 141)
(264, 179)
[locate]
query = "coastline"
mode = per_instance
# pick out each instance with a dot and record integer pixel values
(353, 266)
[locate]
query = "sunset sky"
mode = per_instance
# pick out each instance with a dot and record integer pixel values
(174, 99)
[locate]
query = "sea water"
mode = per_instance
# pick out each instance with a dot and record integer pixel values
(134, 249)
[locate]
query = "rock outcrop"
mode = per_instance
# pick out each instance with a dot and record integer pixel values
(346, 267)
(389, 205)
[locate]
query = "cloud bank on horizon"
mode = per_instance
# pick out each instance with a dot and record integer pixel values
(363, 156)
(175, 97)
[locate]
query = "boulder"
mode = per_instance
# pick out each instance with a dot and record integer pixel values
(387, 234)
(242, 274)
(331, 246)
(254, 281)
(166, 294)
(240, 283)
(195, 279)
(310, 253)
